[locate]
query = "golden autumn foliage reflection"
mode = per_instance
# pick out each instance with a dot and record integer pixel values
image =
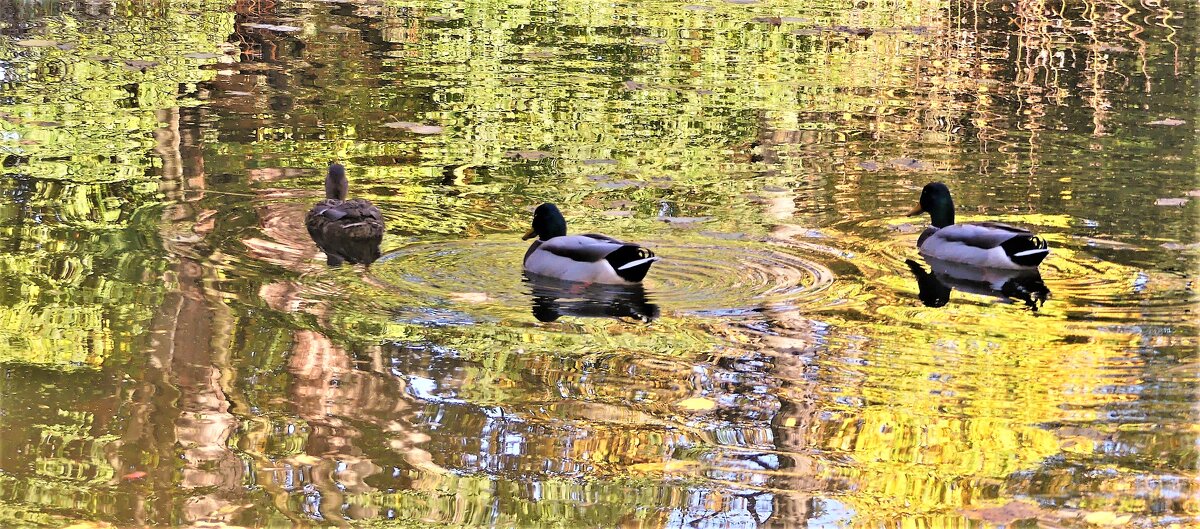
(176, 352)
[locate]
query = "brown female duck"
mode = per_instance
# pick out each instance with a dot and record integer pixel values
(346, 230)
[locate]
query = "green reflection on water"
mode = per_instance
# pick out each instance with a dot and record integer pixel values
(176, 351)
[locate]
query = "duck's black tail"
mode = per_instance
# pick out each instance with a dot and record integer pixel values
(631, 262)
(1026, 250)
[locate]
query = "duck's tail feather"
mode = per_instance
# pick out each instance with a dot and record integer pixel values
(1026, 250)
(638, 262)
(631, 262)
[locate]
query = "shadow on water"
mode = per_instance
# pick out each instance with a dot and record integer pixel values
(554, 298)
(934, 286)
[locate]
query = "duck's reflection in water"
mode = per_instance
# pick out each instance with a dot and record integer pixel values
(554, 298)
(340, 250)
(934, 286)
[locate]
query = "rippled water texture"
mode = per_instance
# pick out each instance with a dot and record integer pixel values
(175, 351)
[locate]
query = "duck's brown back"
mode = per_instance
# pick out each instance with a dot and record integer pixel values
(350, 230)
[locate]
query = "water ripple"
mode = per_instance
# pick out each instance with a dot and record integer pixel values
(709, 279)
(725, 279)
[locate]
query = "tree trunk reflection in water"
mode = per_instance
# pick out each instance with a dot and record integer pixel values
(185, 382)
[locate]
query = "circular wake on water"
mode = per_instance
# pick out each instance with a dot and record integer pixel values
(712, 278)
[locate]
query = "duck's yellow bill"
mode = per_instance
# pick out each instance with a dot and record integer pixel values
(916, 211)
(529, 235)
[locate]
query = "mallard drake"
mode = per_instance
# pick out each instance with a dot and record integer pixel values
(346, 230)
(586, 258)
(983, 244)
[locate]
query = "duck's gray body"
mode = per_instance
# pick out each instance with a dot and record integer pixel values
(984, 244)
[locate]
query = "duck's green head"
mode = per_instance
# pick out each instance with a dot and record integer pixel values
(548, 223)
(935, 200)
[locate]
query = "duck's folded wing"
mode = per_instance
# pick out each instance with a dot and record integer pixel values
(362, 208)
(359, 209)
(600, 237)
(346, 209)
(327, 209)
(986, 235)
(582, 248)
(1000, 226)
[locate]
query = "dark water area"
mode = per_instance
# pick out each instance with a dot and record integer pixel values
(175, 350)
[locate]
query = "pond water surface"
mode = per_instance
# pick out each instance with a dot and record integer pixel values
(174, 350)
